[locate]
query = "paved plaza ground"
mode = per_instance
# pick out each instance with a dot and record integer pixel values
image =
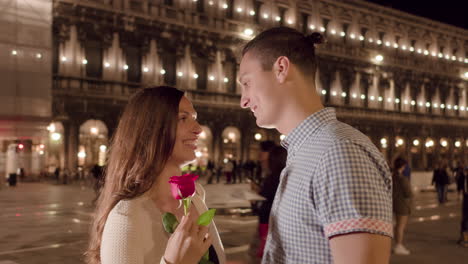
(46, 223)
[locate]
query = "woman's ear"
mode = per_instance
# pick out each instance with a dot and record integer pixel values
(281, 68)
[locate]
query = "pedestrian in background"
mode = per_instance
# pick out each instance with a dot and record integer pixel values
(402, 203)
(440, 179)
(276, 163)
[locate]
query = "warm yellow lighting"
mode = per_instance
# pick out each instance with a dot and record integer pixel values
(258, 136)
(248, 32)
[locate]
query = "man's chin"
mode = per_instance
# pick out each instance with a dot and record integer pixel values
(264, 125)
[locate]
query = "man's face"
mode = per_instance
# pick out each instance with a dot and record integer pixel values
(259, 91)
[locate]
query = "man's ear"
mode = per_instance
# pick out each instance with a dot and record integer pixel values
(281, 68)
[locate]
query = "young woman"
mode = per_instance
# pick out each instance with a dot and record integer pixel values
(156, 136)
(402, 203)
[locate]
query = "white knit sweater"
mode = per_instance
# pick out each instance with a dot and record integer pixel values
(134, 233)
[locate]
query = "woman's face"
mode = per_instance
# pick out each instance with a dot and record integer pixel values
(188, 131)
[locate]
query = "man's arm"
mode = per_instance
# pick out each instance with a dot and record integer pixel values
(360, 248)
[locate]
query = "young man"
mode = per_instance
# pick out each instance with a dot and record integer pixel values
(334, 200)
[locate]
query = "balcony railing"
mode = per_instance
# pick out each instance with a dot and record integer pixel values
(113, 90)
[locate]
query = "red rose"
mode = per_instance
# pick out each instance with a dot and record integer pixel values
(183, 186)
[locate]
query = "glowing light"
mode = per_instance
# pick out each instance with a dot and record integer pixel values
(82, 154)
(416, 142)
(258, 136)
(103, 148)
(239, 10)
(395, 45)
(379, 58)
(429, 143)
(180, 74)
(84, 61)
(162, 71)
(248, 32)
(55, 136)
(225, 6)
(352, 36)
(312, 27)
(14, 52)
(252, 13)
(333, 93)
(38, 55)
(290, 22)
(211, 78)
(324, 92)
(226, 80)
(397, 100)
(277, 18)
(383, 141)
(411, 49)
(380, 98)
(125, 67)
(442, 106)
(400, 142)
(387, 44)
(322, 29)
(343, 94)
(342, 34)
(282, 137)
(372, 98)
(195, 76)
(379, 42)
(361, 38)
(265, 16)
(333, 32)
(354, 95)
(51, 128)
(413, 102)
(198, 154)
(64, 58)
(426, 52)
(106, 64)
(444, 143)
(145, 69)
(457, 144)
(363, 96)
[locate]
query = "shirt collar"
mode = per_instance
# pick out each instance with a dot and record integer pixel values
(307, 128)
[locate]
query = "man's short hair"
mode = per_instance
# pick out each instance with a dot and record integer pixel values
(284, 41)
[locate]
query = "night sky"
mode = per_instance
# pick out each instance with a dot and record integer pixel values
(453, 12)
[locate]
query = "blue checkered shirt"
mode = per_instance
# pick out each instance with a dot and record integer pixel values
(335, 182)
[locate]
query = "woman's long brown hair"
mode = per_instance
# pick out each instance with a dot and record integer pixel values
(140, 148)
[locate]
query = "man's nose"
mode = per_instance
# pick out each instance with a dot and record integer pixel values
(244, 102)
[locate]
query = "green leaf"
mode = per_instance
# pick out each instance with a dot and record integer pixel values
(204, 261)
(206, 217)
(170, 222)
(207, 255)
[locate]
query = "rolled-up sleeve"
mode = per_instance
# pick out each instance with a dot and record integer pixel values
(353, 192)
